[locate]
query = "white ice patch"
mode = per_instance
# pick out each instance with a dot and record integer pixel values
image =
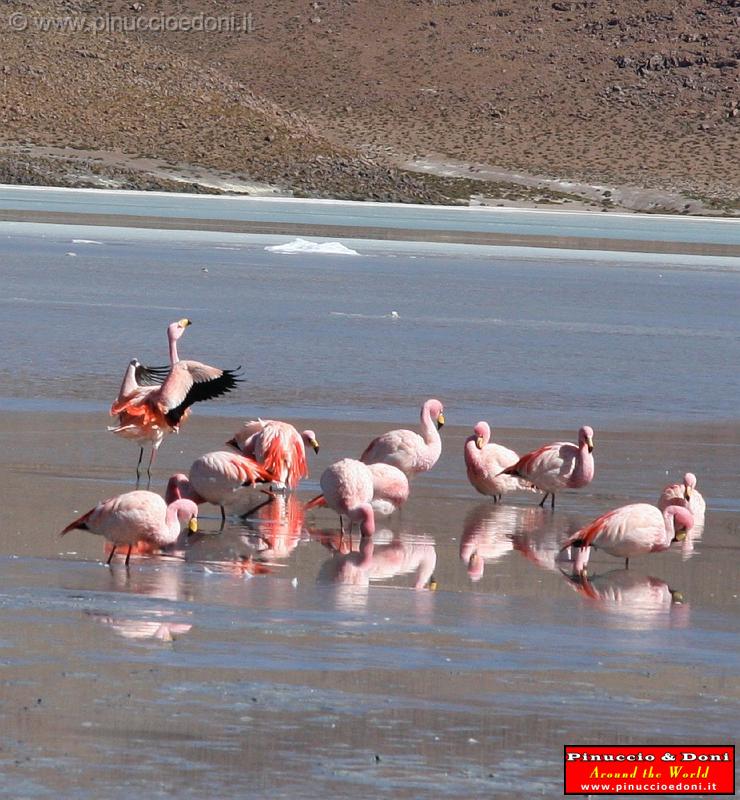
(304, 246)
(85, 241)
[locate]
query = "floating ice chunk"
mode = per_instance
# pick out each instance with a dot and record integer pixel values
(85, 241)
(304, 246)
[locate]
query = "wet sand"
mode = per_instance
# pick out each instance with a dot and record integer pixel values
(185, 676)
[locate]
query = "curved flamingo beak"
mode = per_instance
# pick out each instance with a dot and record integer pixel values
(680, 535)
(314, 443)
(440, 421)
(193, 525)
(687, 493)
(432, 585)
(479, 442)
(676, 597)
(183, 323)
(590, 444)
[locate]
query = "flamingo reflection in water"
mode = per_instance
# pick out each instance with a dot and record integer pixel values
(381, 558)
(163, 623)
(643, 601)
(276, 528)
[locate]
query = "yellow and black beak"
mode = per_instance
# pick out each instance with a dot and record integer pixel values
(479, 442)
(184, 322)
(440, 421)
(676, 597)
(315, 444)
(687, 493)
(590, 444)
(432, 585)
(193, 525)
(680, 535)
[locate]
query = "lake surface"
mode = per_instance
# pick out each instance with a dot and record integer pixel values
(188, 675)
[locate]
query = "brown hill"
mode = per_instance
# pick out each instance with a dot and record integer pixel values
(324, 96)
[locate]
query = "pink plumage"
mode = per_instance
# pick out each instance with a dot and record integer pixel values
(631, 530)
(278, 446)
(137, 516)
(408, 451)
(347, 487)
(485, 463)
(685, 494)
(561, 465)
(390, 488)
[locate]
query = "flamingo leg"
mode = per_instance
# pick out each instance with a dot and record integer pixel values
(542, 502)
(626, 563)
(152, 458)
(552, 501)
(128, 555)
(138, 466)
(223, 517)
(110, 557)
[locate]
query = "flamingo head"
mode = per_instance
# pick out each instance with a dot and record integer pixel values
(187, 514)
(176, 329)
(689, 484)
(586, 437)
(309, 437)
(683, 522)
(482, 432)
(436, 412)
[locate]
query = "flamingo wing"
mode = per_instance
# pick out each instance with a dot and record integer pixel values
(191, 382)
(151, 376)
(527, 462)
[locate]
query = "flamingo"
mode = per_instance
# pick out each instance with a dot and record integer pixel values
(347, 487)
(484, 462)
(556, 466)
(410, 452)
(216, 478)
(278, 447)
(146, 413)
(631, 530)
(138, 516)
(390, 490)
(685, 494)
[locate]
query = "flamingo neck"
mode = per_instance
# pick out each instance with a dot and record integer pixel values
(472, 453)
(583, 473)
(429, 432)
(172, 522)
(174, 358)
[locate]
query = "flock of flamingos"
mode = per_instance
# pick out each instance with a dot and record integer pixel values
(154, 401)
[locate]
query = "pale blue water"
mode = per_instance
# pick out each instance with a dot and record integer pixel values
(525, 339)
(490, 220)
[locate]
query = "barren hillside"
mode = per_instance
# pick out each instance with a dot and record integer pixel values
(325, 96)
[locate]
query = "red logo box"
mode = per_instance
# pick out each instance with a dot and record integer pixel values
(623, 770)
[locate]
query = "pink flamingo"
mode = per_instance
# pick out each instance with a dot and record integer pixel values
(686, 494)
(216, 478)
(137, 516)
(629, 531)
(278, 447)
(556, 466)
(407, 450)
(484, 462)
(390, 488)
(347, 487)
(146, 413)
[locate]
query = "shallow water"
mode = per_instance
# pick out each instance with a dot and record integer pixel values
(188, 675)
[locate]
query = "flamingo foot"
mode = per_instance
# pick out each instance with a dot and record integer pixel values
(110, 557)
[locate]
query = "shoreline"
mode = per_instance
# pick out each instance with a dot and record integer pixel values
(299, 229)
